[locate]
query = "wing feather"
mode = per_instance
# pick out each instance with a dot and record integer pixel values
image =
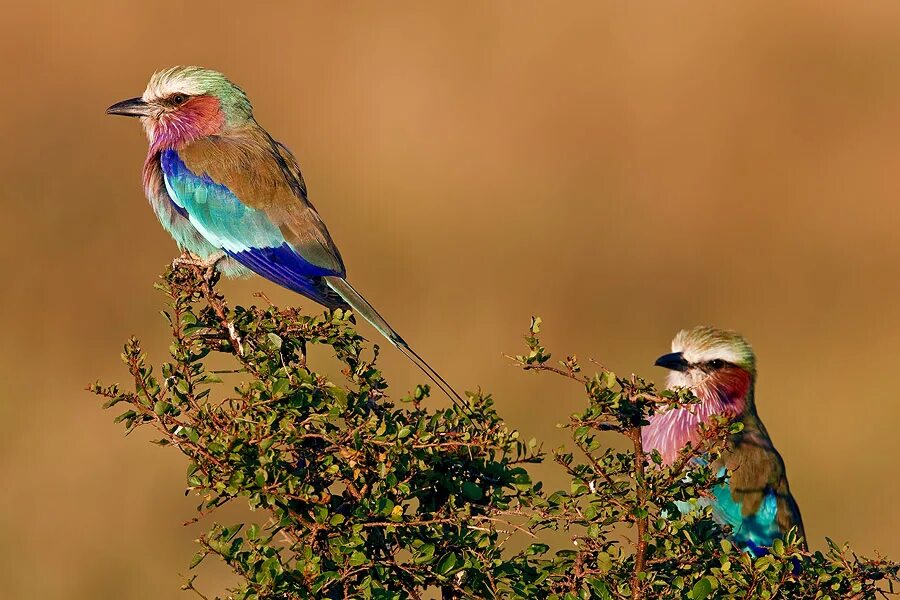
(256, 188)
(756, 500)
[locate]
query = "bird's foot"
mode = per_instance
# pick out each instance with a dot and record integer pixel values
(192, 260)
(208, 264)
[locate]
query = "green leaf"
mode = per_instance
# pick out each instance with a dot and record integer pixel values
(260, 477)
(190, 433)
(604, 562)
(447, 563)
(424, 554)
(280, 387)
(601, 589)
(701, 589)
(197, 559)
(472, 491)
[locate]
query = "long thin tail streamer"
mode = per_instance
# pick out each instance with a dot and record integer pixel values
(362, 307)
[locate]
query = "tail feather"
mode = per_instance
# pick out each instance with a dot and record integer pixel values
(362, 307)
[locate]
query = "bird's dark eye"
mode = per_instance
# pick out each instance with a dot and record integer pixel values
(717, 363)
(178, 99)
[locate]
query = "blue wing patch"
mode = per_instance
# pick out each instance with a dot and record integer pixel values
(280, 265)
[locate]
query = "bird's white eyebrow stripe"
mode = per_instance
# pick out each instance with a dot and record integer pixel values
(695, 356)
(166, 85)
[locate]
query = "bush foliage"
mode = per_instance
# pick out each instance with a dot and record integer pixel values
(359, 496)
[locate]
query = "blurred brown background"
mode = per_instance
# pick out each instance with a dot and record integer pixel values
(622, 170)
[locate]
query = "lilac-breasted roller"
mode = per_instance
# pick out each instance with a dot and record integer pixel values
(233, 197)
(720, 368)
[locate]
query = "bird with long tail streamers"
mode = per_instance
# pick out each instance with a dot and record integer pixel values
(719, 367)
(234, 198)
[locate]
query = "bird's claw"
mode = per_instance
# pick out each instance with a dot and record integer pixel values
(209, 265)
(190, 260)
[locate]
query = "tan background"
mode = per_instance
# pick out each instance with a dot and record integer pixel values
(621, 169)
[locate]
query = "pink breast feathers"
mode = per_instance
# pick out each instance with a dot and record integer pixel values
(723, 393)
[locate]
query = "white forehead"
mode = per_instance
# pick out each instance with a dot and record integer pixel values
(698, 355)
(192, 81)
(705, 345)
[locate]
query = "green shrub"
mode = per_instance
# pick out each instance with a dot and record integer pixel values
(359, 497)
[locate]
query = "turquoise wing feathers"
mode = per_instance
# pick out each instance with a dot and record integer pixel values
(755, 530)
(754, 500)
(259, 237)
(215, 211)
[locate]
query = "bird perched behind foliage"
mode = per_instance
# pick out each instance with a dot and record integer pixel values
(234, 197)
(720, 368)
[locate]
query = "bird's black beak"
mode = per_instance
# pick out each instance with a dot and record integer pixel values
(673, 361)
(134, 107)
